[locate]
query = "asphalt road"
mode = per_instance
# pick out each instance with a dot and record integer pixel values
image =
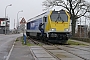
(6, 42)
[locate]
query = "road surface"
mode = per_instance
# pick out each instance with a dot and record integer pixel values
(6, 42)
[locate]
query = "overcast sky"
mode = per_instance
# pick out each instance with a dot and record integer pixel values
(30, 9)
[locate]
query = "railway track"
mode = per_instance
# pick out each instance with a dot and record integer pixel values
(66, 48)
(39, 42)
(81, 48)
(34, 42)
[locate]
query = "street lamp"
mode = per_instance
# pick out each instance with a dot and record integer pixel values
(5, 17)
(17, 18)
(80, 27)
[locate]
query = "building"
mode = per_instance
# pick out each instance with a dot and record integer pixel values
(2, 25)
(82, 31)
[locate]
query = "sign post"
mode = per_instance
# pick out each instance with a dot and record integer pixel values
(22, 27)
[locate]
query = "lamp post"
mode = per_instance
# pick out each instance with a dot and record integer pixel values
(80, 28)
(5, 17)
(17, 19)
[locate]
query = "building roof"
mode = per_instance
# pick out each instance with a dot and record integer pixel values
(3, 18)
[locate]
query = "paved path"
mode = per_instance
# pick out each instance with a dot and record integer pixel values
(20, 52)
(6, 42)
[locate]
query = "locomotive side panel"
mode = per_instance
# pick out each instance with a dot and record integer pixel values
(32, 27)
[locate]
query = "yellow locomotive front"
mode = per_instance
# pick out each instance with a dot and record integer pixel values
(58, 25)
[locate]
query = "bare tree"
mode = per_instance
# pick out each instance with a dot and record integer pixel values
(76, 8)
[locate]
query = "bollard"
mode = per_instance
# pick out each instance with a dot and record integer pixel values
(24, 38)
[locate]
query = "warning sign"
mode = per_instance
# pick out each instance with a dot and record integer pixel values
(23, 21)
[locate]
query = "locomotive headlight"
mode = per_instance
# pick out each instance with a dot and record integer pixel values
(53, 29)
(66, 29)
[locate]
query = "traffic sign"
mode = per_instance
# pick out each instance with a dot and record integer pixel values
(23, 21)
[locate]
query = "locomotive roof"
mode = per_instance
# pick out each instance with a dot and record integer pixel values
(38, 16)
(42, 14)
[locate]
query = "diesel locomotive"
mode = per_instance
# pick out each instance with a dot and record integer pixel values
(56, 26)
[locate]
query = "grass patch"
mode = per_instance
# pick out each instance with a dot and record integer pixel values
(17, 39)
(70, 42)
(82, 39)
(27, 42)
(39, 44)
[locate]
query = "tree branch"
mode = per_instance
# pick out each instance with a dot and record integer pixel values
(77, 12)
(77, 4)
(82, 14)
(64, 7)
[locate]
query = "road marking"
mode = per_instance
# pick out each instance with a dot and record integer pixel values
(5, 57)
(10, 52)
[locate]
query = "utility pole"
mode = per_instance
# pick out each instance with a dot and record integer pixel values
(14, 23)
(5, 18)
(80, 27)
(18, 20)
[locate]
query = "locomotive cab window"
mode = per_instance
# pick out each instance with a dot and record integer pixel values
(44, 19)
(59, 16)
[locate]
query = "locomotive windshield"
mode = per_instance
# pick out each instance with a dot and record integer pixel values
(59, 16)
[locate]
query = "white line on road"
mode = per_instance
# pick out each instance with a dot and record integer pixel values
(10, 52)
